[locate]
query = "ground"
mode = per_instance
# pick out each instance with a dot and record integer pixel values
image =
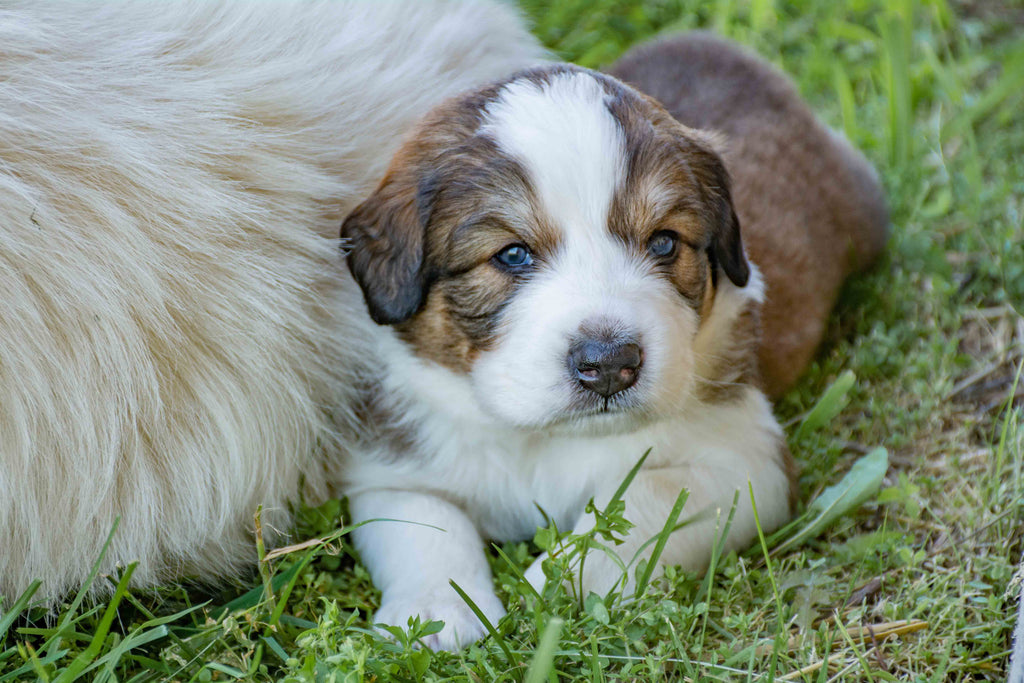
(914, 583)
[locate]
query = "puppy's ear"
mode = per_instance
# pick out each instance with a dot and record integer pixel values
(385, 235)
(726, 247)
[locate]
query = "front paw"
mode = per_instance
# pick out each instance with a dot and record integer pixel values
(535, 575)
(461, 626)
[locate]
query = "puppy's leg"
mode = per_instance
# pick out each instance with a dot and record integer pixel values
(712, 485)
(412, 563)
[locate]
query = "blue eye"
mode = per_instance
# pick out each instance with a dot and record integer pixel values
(662, 245)
(514, 256)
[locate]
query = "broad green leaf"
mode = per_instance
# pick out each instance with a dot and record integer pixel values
(595, 607)
(829, 405)
(859, 484)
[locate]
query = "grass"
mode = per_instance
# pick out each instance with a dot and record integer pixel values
(915, 583)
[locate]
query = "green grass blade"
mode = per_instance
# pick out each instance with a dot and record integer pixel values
(516, 571)
(513, 660)
(68, 616)
(863, 480)
(544, 656)
(621, 491)
(7, 618)
(659, 547)
(91, 652)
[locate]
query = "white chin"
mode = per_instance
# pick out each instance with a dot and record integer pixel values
(589, 423)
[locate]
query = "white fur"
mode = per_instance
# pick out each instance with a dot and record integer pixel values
(174, 327)
(444, 546)
(569, 143)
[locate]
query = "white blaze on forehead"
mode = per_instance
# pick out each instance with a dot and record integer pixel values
(568, 142)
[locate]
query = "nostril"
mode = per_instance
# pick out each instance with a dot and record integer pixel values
(605, 368)
(629, 357)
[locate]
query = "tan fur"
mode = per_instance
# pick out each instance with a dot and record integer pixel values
(811, 208)
(173, 338)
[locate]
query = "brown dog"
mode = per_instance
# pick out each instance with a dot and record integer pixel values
(811, 207)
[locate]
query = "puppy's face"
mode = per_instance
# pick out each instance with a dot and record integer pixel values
(557, 240)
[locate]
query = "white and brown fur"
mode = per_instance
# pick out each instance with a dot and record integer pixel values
(812, 208)
(485, 419)
(176, 347)
(583, 171)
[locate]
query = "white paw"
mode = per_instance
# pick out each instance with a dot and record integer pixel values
(461, 626)
(604, 572)
(535, 574)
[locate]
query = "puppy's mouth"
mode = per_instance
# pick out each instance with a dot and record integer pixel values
(587, 403)
(620, 413)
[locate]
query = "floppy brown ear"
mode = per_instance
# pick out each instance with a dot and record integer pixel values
(726, 247)
(385, 235)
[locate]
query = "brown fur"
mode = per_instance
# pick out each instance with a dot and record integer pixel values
(811, 208)
(734, 365)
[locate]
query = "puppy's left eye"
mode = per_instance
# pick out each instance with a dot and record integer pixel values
(663, 245)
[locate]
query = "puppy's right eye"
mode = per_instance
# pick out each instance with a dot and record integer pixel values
(663, 245)
(514, 257)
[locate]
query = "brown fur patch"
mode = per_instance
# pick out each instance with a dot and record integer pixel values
(725, 375)
(676, 182)
(379, 425)
(812, 209)
(423, 243)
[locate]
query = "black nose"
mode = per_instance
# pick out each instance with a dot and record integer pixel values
(605, 368)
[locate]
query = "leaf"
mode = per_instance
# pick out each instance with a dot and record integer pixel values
(595, 607)
(420, 660)
(859, 484)
(828, 406)
(225, 669)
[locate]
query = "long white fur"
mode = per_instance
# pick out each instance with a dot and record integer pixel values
(490, 447)
(175, 332)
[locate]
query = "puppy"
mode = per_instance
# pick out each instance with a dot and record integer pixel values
(175, 347)
(557, 268)
(812, 208)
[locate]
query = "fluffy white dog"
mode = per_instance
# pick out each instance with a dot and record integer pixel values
(172, 336)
